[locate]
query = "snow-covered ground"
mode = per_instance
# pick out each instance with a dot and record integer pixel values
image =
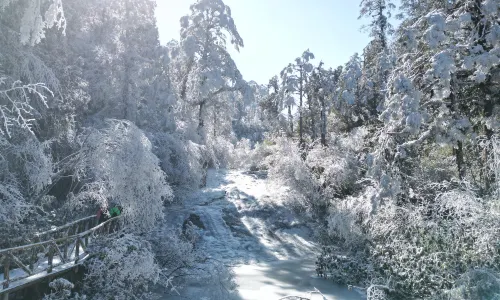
(271, 252)
(279, 279)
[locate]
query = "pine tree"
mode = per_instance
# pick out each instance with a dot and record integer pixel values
(377, 55)
(294, 78)
(208, 69)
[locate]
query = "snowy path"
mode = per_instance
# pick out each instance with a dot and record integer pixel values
(282, 278)
(272, 252)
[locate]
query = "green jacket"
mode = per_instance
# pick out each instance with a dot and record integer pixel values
(114, 212)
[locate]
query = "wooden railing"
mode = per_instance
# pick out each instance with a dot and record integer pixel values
(64, 230)
(56, 247)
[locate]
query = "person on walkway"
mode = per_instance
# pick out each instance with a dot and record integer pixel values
(101, 216)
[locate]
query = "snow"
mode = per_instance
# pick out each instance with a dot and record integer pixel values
(41, 265)
(279, 279)
(16, 275)
(272, 253)
(19, 277)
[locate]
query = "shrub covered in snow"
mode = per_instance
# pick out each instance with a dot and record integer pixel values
(181, 261)
(182, 161)
(324, 174)
(424, 248)
(120, 267)
(61, 290)
(175, 254)
(476, 284)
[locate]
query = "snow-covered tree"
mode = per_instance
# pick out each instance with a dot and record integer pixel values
(118, 166)
(272, 105)
(122, 43)
(349, 106)
(37, 17)
(26, 85)
(322, 86)
(207, 68)
(430, 92)
(421, 188)
(294, 78)
(379, 11)
(377, 55)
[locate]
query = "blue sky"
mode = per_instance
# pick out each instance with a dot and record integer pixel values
(275, 32)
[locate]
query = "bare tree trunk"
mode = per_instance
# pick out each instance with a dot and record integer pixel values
(323, 121)
(183, 92)
(126, 92)
(301, 139)
(215, 121)
(459, 156)
(290, 119)
(312, 116)
(458, 151)
(487, 174)
(490, 176)
(383, 26)
(201, 124)
(130, 109)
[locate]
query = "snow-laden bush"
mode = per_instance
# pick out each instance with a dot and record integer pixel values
(182, 263)
(119, 166)
(256, 158)
(340, 268)
(326, 173)
(476, 284)
(242, 154)
(175, 255)
(425, 241)
(25, 170)
(348, 262)
(61, 290)
(182, 161)
(348, 217)
(218, 151)
(337, 170)
(288, 169)
(120, 267)
(261, 154)
(427, 247)
(424, 248)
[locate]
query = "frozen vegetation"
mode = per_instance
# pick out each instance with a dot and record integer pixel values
(378, 179)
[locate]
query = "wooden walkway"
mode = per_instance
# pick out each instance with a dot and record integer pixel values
(53, 252)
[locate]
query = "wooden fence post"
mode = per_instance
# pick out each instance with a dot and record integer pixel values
(65, 244)
(50, 259)
(65, 250)
(88, 224)
(6, 271)
(33, 260)
(108, 226)
(61, 255)
(77, 250)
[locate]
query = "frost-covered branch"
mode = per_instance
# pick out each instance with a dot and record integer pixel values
(15, 105)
